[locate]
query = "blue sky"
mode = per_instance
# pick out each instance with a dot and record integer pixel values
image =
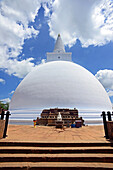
(29, 30)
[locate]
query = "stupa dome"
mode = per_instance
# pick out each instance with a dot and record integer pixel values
(61, 84)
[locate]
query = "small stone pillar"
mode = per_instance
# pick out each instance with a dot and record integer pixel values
(110, 129)
(110, 125)
(109, 116)
(6, 123)
(105, 125)
(2, 126)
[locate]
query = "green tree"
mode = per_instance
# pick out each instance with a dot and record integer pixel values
(4, 105)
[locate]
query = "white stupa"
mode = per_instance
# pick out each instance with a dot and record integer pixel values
(59, 117)
(60, 83)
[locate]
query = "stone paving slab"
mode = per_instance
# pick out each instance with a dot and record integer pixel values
(54, 148)
(57, 164)
(27, 133)
(58, 155)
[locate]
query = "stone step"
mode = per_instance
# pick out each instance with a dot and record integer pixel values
(56, 144)
(106, 158)
(55, 166)
(54, 150)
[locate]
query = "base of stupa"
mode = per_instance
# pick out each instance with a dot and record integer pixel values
(59, 124)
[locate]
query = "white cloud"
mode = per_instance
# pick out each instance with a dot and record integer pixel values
(43, 61)
(2, 81)
(15, 17)
(89, 21)
(19, 68)
(106, 79)
(110, 93)
(92, 26)
(6, 100)
(14, 29)
(12, 92)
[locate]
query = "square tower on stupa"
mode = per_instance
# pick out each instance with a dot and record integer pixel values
(59, 52)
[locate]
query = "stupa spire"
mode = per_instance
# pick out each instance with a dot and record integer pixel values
(59, 52)
(59, 46)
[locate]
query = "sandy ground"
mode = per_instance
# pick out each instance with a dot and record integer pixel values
(51, 134)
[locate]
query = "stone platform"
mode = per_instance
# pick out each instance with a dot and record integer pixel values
(45, 133)
(29, 148)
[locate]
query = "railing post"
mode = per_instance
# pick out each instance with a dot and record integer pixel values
(105, 125)
(2, 114)
(6, 123)
(109, 116)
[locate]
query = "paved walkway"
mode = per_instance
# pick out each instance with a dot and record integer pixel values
(51, 134)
